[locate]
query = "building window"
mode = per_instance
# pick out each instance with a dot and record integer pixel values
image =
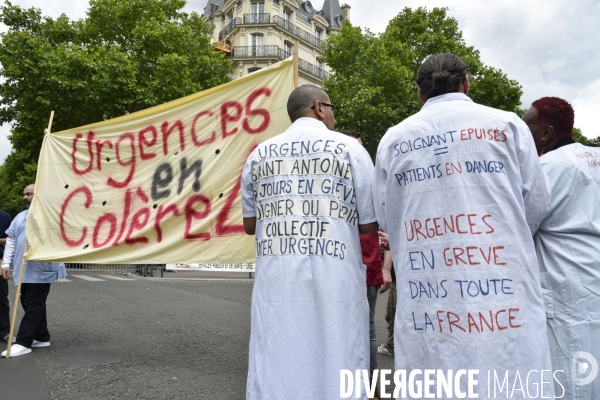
(254, 69)
(258, 42)
(287, 19)
(319, 63)
(288, 48)
(258, 13)
(257, 8)
(319, 35)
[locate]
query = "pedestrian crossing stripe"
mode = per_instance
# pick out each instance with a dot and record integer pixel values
(88, 278)
(118, 278)
(92, 279)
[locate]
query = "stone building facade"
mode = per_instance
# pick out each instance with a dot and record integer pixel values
(258, 33)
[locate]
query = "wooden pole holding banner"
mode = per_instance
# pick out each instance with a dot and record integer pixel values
(296, 62)
(16, 303)
(22, 271)
(47, 130)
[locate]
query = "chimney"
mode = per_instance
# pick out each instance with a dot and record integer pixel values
(346, 12)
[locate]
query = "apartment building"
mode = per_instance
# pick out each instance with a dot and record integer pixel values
(258, 33)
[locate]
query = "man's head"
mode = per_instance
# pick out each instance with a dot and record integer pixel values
(550, 119)
(440, 74)
(355, 134)
(28, 195)
(312, 102)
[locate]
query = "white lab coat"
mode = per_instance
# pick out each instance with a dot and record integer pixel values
(456, 186)
(568, 249)
(308, 188)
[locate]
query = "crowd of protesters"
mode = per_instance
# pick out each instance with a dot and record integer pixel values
(492, 223)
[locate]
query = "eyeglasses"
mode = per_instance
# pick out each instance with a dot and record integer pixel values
(334, 109)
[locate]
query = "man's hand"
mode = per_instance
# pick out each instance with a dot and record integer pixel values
(384, 241)
(6, 273)
(386, 270)
(250, 225)
(387, 280)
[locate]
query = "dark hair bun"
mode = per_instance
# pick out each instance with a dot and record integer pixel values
(440, 74)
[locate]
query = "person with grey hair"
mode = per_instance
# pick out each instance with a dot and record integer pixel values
(457, 186)
(306, 195)
(35, 286)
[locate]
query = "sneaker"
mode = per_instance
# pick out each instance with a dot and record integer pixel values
(5, 339)
(40, 344)
(16, 350)
(384, 350)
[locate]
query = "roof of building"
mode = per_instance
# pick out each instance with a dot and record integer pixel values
(331, 10)
(217, 7)
(305, 8)
(333, 13)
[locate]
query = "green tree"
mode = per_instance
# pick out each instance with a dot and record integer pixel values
(374, 75)
(579, 137)
(124, 57)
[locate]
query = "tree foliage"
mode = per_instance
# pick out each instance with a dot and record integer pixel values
(124, 57)
(374, 75)
(579, 137)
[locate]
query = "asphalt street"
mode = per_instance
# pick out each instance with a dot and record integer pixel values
(184, 336)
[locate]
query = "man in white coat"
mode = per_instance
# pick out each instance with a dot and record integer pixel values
(35, 287)
(456, 186)
(568, 248)
(306, 195)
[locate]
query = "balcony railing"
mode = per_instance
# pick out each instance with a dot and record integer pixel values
(299, 32)
(276, 52)
(258, 51)
(252, 18)
(265, 18)
(255, 18)
(312, 69)
(230, 26)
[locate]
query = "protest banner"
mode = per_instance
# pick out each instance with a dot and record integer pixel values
(160, 185)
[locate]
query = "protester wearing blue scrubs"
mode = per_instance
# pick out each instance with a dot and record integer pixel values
(37, 277)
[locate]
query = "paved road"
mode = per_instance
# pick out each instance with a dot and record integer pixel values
(179, 337)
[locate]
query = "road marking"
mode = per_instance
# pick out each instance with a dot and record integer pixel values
(118, 278)
(63, 280)
(88, 278)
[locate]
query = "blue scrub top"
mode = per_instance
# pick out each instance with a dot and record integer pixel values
(35, 272)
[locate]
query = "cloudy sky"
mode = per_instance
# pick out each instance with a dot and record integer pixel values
(550, 47)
